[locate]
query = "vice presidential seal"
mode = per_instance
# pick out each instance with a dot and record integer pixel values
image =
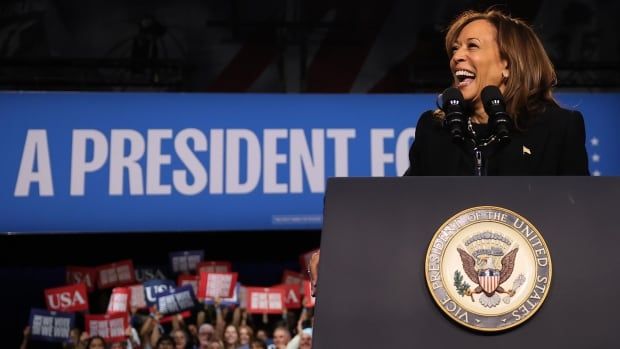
(488, 268)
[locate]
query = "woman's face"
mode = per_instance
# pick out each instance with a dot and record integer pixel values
(96, 343)
(476, 61)
(262, 335)
(116, 345)
(180, 340)
(244, 335)
(230, 335)
(215, 345)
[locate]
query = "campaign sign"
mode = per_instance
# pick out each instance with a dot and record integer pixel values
(120, 300)
(216, 285)
(214, 267)
(176, 300)
(154, 287)
(50, 326)
(234, 300)
(292, 296)
(265, 300)
(144, 274)
(292, 278)
(109, 326)
(168, 319)
(185, 261)
(309, 300)
(243, 297)
(137, 298)
(116, 274)
(70, 298)
(86, 275)
(186, 279)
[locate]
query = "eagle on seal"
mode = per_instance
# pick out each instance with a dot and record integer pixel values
(487, 277)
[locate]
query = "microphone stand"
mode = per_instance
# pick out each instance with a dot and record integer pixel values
(480, 163)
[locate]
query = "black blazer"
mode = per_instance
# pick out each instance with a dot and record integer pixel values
(552, 144)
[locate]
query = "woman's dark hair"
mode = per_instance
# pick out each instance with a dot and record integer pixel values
(91, 339)
(258, 342)
(164, 338)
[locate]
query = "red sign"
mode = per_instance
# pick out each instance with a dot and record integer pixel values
(137, 298)
(110, 326)
(214, 267)
(116, 274)
(70, 298)
(216, 285)
(186, 279)
(292, 296)
(168, 319)
(265, 300)
(243, 297)
(292, 278)
(308, 300)
(119, 300)
(86, 275)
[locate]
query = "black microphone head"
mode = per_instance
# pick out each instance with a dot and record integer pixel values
(495, 107)
(451, 99)
(492, 100)
(452, 105)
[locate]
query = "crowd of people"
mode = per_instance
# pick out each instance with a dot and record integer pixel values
(210, 326)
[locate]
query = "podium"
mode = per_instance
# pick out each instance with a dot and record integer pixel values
(372, 291)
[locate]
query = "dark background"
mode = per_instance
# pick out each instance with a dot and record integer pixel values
(278, 46)
(267, 46)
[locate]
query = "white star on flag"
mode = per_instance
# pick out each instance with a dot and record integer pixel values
(594, 141)
(596, 173)
(596, 158)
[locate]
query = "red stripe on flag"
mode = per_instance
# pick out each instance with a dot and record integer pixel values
(337, 64)
(247, 65)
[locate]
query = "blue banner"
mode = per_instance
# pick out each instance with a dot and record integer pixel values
(50, 326)
(104, 162)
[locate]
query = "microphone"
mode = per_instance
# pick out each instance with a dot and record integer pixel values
(495, 107)
(452, 105)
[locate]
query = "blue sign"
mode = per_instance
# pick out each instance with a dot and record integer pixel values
(185, 261)
(155, 287)
(176, 300)
(50, 326)
(103, 162)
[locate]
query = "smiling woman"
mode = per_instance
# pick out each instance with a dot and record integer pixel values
(492, 51)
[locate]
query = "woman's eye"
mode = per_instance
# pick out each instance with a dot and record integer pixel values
(472, 45)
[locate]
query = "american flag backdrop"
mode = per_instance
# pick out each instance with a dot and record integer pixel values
(278, 45)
